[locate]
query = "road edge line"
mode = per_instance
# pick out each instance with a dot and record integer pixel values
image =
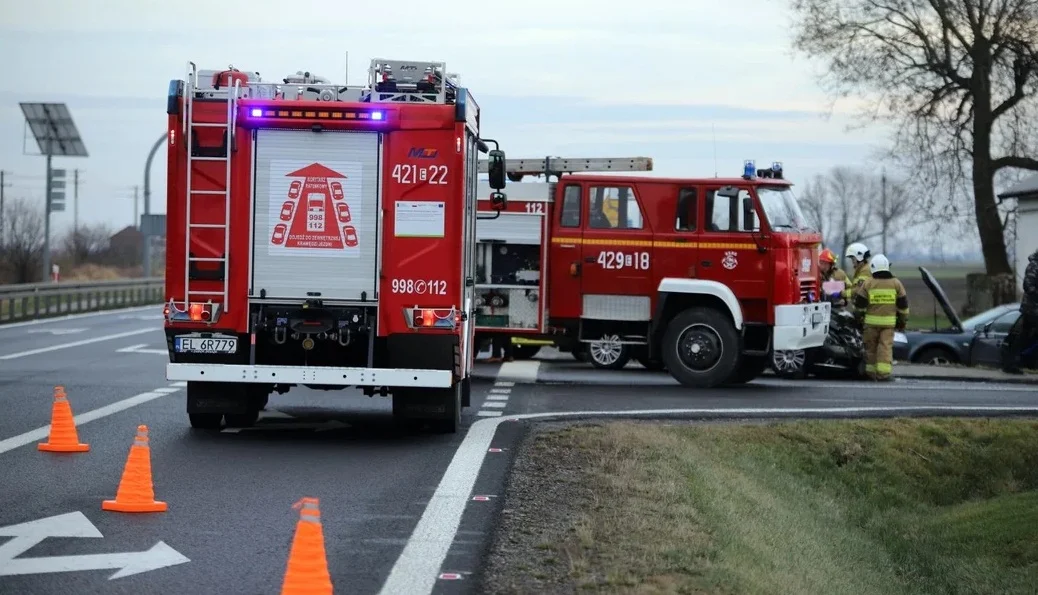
(9, 444)
(417, 567)
(77, 316)
(80, 343)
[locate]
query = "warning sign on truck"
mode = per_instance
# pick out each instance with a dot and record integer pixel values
(314, 208)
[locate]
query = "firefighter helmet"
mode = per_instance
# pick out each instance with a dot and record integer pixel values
(858, 251)
(827, 256)
(879, 263)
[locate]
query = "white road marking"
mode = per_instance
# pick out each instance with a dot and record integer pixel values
(111, 409)
(67, 317)
(76, 524)
(504, 383)
(142, 348)
(521, 371)
(497, 397)
(500, 391)
(56, 331)
(416, 570)
(496, 404)
(488, 413)
(78, 343)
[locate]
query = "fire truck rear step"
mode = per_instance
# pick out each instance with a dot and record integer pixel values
(330, 376)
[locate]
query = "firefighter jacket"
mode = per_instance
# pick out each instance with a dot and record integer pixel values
(861, 274)
(883, 300)
(1029, 303)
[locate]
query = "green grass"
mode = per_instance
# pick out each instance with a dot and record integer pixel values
(855, 507)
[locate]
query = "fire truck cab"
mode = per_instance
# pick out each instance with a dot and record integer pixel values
(700, 276)
(323, 235)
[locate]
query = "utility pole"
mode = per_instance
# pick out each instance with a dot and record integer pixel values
(136, 215)
(75, 202)
(884, 214)
(2, 185)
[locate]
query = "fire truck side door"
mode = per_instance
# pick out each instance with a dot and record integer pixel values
(564, 254)
(676, 252)
(728, 249)
(617, 250)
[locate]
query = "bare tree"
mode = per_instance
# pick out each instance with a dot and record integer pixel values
(960, 77)
(849, 205)
(87, 244)
(22, 251)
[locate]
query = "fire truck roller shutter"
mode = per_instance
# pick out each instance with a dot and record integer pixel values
(511, 228)
(316, 214)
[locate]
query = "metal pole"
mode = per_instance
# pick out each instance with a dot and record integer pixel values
(136, 202)
(147, 201)
(75, 201)
(46, 220)
(2, 230)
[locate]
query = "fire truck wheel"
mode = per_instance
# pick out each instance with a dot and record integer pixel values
(700, 347)
(452, 401)
(608, 353)
(789, 364)
(206, 421)
(749, 369)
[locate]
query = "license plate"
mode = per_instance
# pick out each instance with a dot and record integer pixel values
(205, 345)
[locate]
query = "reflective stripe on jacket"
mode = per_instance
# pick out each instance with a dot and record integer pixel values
(884, 301)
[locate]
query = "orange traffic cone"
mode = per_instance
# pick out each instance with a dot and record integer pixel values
(136, 490)
(63, 436)
(307, 572)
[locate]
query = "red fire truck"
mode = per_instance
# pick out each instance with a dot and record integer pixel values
(348, 214)
(703, 277)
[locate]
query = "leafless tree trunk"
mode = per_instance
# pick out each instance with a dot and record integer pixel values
(23, 245)
(960, 77)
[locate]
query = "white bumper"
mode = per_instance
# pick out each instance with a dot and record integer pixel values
(800, 326)
(309, 375)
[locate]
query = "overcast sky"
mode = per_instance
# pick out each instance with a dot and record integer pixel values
(684, 82)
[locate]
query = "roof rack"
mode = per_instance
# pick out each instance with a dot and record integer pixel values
(556, 166)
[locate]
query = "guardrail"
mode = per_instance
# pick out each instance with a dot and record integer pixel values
(42, 300)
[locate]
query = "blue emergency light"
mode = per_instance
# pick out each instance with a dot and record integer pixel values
(748, 169)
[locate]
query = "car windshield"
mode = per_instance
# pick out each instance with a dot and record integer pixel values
(986, 317)
(781, 208)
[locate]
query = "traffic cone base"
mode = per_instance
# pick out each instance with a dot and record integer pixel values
(136, 491)
(62, 436)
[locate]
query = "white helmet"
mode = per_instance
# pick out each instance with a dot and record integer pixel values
(879, 263)
(857, 251)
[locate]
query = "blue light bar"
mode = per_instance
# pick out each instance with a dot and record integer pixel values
(748, 169)
(376, 115)
(256, 112)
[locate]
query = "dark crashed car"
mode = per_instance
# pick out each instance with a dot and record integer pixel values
(974, 341)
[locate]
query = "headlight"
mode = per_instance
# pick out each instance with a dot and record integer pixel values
(900, 338)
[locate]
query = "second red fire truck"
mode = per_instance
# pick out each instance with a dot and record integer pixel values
(323, 235)
(701, 276)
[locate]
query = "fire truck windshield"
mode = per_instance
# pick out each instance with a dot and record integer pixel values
(781, 208)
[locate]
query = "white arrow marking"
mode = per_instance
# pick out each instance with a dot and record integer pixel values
(75, 524)
(315, 426)
(56, 331)
(140, 348)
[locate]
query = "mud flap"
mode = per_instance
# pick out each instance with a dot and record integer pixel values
(228, 398)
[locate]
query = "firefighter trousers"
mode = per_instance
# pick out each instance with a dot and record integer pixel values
(879, 352)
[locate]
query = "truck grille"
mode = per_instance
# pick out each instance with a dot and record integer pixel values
(806, 287)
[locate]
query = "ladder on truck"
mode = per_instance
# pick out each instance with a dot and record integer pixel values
(556, 166)
(193, 193)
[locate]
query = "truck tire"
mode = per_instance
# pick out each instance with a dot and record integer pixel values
(791, 365)
(700, 347)
(749, 369)
(206, 421)
(525, 351)
(452, 400)
(608, 353)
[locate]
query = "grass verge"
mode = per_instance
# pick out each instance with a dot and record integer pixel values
(863, 506)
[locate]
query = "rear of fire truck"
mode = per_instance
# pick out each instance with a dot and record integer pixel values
(322, 235)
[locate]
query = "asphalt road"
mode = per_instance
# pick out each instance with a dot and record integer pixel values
(401, 513)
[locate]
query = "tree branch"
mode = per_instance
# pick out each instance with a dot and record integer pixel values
(1015, 161)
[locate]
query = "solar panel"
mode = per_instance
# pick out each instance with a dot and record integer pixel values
(54, 130)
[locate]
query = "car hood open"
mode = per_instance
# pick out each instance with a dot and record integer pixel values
(942, 298)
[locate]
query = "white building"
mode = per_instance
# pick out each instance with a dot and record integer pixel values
(1026, 194)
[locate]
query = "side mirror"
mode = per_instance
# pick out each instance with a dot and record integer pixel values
(749, 216)
(987, 328)
(496, 169)
(498, 201)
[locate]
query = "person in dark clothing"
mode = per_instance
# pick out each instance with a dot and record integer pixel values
(501, 344)
(1028, 324)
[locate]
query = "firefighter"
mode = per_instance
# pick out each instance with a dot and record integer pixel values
(1028, 318)
(829, 271)
(859, 255)
(881, 300)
